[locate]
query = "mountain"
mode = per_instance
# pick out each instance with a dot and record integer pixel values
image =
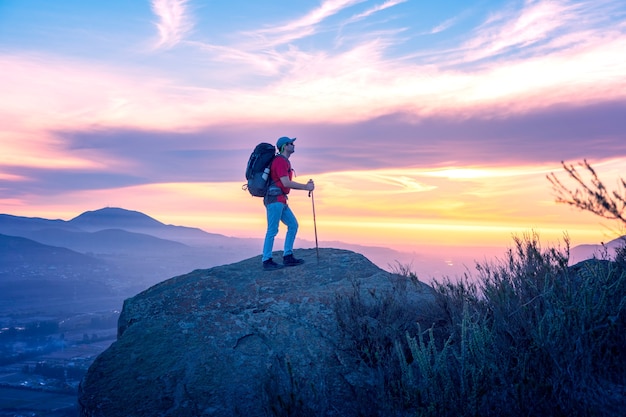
(19, 251)
(140, 250)
(602, 251)
(106, 241)
(34, 276)
(137, 251)
(112, 230)
(146, 247)
(110, 218)
(17, 225)
(114, 218)
(134, 221)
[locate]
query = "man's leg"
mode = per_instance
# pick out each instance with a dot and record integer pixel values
(292, 229)
(274, 213)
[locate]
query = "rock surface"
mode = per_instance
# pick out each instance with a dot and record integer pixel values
(236, 340)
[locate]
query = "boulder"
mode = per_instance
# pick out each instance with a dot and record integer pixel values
(235, 340)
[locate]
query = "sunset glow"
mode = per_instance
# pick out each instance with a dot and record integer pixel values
(423, 125)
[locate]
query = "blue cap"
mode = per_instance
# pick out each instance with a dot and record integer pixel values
(283, 141)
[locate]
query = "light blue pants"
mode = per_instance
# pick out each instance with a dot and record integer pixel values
(276, 213)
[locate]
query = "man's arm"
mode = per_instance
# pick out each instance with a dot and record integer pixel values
(309, 186)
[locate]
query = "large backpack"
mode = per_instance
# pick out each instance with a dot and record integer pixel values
(258, 169)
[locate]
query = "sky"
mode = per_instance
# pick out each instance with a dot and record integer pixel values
(423, 124)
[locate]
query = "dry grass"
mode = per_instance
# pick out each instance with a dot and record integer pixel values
(527, 336)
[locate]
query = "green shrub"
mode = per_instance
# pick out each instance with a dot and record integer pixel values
(371, 324)
(527, 336)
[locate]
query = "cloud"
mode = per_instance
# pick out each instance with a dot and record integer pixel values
(302, 27)
(531, 26)
(444, 25)
(357, 84)
(539, 27)
(386, 5)
(547, 52)
(562, 99)
(537, 57)
(174, 21)
(394, 148)
(273, 51)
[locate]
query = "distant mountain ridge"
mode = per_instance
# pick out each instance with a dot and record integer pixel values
(14, 225)
(601, 251)
(138, 250)
(14, 250)
(135, 233)
(131, 250)
(113, 217)
(149, 246)
(78, 233)
(135, 221)
(112, 229)
(105, 241)
(36, 276)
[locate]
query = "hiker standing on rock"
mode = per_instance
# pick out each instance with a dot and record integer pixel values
(276, 206)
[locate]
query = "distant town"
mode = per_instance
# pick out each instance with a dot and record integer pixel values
(43, 359)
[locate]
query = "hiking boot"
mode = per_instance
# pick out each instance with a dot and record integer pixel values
(289, 260)
(270, 265)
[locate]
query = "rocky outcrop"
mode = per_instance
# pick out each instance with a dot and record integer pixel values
(237, 340)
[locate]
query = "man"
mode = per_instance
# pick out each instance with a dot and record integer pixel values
(276, 206)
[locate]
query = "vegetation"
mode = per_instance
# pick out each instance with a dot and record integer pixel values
(528, 336)
(591, 195)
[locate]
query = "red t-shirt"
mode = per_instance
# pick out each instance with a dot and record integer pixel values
(281, 167)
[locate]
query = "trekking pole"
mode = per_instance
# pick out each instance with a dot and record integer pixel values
(317, 250)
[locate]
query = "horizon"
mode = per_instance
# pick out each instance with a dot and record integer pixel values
(429, 262)
(422, 125)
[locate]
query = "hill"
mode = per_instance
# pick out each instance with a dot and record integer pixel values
(18, 251)
(114, 218)
(140, 250)
(34, 276)
(106, 241)
(145, 247)
(581, 252)
(147, 251)
(17, 225)
(134, 221)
